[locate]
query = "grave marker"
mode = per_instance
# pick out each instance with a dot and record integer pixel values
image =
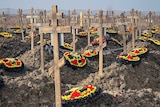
(21, 23)
(32, 30)
(123, 27)
(150, 20)
(100, 14)
(74, 22)
(57, 62)
(133, 25)
(140, 23)
(113, 20)
(136, 24)
(4, 21)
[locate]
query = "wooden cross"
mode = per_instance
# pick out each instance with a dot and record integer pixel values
(44, 16)
(113, 20)
(139, 24)
(136, 24)
(81, 19)
(154, 18)
(74, 22)
(89, 24)
(88, 17)
(57, 62)
(32, 30)
(41, 17)
(21, 23)
(74, 18)
(100, 15)
(150, 20)
(4, 20)
(68, 18)
(124, 35)
(133, 25)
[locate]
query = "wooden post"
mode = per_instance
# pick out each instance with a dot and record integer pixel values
(136, 24)
(4, 21)
(89, 24)
(45, 17)
(56, 58)
(74, 17)
(41, 17)
(100, 43)
(74, 39)
(81, 19)
(68, 18)
(42, 52)
(113, 20)
(150, 20)
(32, 30)
(21, 23)
(133, 25)
(154, 18)
(42, 42)
(124, 35)
(139, 24)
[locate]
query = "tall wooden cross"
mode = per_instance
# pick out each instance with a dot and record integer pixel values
(140, 23)
(57, 62)
(113, 20)
(123, 27)
(4, 21)
(41, 17)
(136, 24)
(100, 15)
(88, 17)
(32, 30)
(133, 25)
(150, 20)
(21, 23)
(89, 25)
(74, 22)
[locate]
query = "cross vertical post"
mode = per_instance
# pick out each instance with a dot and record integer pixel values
(42, 42)
(113, 20)
(89, 24)
(56, 58)
(74, 28)
(41, 17)
(4, 21)
(154, 18)
(140, 24)
(42, 52)
(136, 24)
(124, 35)
(100, 43)
(44, 18)
(150, 20)
(133, 25)
(21, 23)
(32, 30)
(81, 19)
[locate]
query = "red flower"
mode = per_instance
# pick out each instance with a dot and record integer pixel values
(75, 94)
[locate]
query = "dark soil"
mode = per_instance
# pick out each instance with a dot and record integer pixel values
(122, 85)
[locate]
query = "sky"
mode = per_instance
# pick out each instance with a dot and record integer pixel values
(123, 5)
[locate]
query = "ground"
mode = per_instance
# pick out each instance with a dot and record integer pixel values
(122, 85)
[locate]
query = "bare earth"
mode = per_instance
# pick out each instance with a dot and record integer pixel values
(122, 85)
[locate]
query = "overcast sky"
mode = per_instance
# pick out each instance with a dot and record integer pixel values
(123, 5)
